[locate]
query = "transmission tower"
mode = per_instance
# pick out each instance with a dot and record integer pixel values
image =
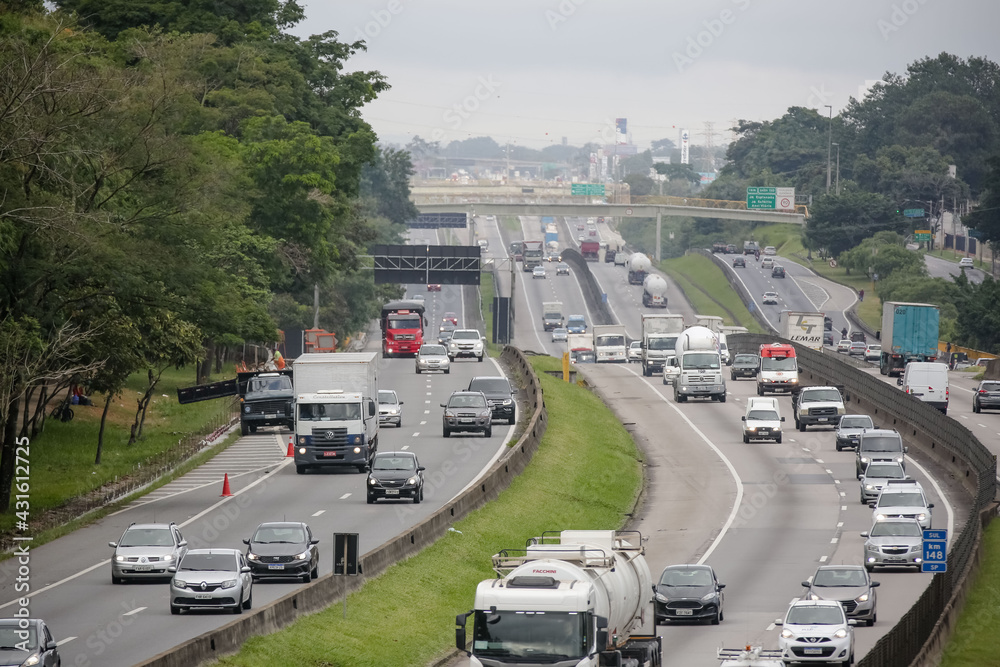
(709, 133)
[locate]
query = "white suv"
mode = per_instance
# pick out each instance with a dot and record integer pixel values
(466, 343)
(762, 420)
(816, 631)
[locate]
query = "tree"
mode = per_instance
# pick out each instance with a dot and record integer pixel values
(985, 219)
(841, 222)
(640, 184)
(883, 254)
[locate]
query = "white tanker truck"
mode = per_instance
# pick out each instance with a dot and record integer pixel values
(638, 267)
(654, 291)
(578, 597)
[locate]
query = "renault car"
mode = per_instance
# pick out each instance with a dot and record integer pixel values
(211, 578)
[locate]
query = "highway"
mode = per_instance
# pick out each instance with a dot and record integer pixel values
(938, 267)
(104, 625)
(764, 515)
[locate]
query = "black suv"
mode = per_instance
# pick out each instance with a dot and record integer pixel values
(499, 394)
(778, 272)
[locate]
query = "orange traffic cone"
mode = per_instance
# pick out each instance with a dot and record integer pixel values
(291, 449)
(225, 487)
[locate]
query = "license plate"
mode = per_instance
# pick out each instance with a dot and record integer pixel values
(330, 454)
(392, 492)
(685, 612)
(824, 419)
(202, 596)
(812, 650)
(701, 389)
(276, 567)
(467, 421)
(143, 568)
(272, 416)
(895, 560)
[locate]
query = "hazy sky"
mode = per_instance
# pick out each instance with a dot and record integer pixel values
(534, 71)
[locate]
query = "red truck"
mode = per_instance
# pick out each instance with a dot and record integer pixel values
(402, 325)
(590, 250)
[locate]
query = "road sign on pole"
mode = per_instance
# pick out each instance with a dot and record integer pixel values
(921, 235)
(913, 212)
(935, 551)
(587, 189)
(771, 198)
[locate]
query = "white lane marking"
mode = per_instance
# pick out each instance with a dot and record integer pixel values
(843, 495)
(944, 499)
(430, 394)
(836, 481)
(134, 611)
(405, 447)
(829, 472)
(963, 416)
(184, 524)
(319, 512)
(840, 524)
(805, 449)
(68, 639)
(422, 423)
(843, 508)
(427, 412)
(345, 496)
(718, 452)
(416, 434)
(822, 559)
(820, 461)
(770, 627)
(834, 540)
(426, 402)
(983, 425)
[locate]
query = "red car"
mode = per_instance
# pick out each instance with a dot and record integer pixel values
(433, 288)
(450, 317)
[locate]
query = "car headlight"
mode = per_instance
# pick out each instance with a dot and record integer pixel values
(794, 380)
(302, 556)
(302, 450)
(899, 459)
(662, 598)
(357, 440)
(751, 428)
(787, 634)
(864, 459)
(449, 414)
(813, 596)
(921, 517)
(393, 411)
(803, 411)
(869, 487)
(229, 583)
(508, 402)
(372, 481)
(178, 583)
(411, 481)
(246, 409)
(840, 634)
(252, 556)
(841, 410)
(709, 597)
(453, 345)
(880, 517)
(863, 598)
(120, 559)
(33, 660)
(168, 558)
(357, 450)
(916, 548)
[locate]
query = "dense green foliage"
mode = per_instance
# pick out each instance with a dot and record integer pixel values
(176, 178)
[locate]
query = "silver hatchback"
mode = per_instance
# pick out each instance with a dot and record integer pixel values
(433, 358)
(145, 551)
(211, 578)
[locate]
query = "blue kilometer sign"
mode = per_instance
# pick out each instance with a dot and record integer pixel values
(935, 551)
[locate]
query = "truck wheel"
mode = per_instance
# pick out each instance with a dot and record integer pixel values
(802, 427)
(244, 429)
(512, 419)
(370, 499)
(481, 357)
(777, 440)
(363, 468)
(253, 428)
(300, 470)
(722, 398)
(746, 439)
(488, 432)
(760, 390)
(447, 371)
(418, 371)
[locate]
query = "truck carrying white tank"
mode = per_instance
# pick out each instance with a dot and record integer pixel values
(579, 597)
(654, 291)
(638, 268)
(697, 355)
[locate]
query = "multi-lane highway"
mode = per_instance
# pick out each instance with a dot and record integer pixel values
(764, 515)
(108, 625)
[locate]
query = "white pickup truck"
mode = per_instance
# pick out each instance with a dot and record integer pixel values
(817, 406)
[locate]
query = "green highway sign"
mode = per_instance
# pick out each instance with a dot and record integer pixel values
(913, 212)
(922, 235)
(588, 189)
(771, 198)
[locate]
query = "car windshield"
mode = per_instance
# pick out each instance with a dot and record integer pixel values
(283, 383)
(329, 411)
(610, 339)
(815, 615)
(494, 386)
(635, 345)
(467, 401)
(208, 563)
(896, 529)
(874, 348)
(845, 577)
(875, 444)
(745, 360)
(147, 537)
(279, 535)
(576, 321)
(530, 636)
(701, 361)
(394, 463)
(386, 396)
(683, 577)
(466, 335)
(560, 331)
(856, 422)
(763, 415)
(431, 350)
(906, 499)
(819, 395)
(777, 364)
(884, 471)
(990, 386)
(404, 322)
(13, 638)
(658, 343)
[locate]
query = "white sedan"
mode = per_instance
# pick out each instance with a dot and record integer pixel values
(873, 353)
(538, 272)
(844, 345)
(635, 351)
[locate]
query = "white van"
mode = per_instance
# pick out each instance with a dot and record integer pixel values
(762, 420)
(928, 381)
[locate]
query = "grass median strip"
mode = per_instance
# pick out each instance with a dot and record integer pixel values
(974, 642)
(585, 475)
(709, 292)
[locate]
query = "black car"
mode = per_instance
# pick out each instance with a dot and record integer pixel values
(987, 396)
(739, 262)
(689, 593)
(828, 338)
(395, 475)
(27, 641)
(744, 366)
(283, 549)
(499, 394)
(778, 272)
(827, 323)
(858, 337)
(731, 249)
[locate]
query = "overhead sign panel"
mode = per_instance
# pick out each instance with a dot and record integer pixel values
(781, 199)
(587, 189)
(439, 220)
(913, 212)
(429, 264)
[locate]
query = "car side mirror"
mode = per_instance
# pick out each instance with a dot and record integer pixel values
(782, 419)
(171, 568)
(443, 405)
(313, 541)
(721, 586)
(246, 541)
(402, 402)
(778, 622)
(931, 506)
(51, 645)
(871, 505)
(905, 449)
(864, 534)
(876, 584)
(182, 543)
(113, 545)
(421, 468)
(245, 569)
(806, 584)
(744, 418)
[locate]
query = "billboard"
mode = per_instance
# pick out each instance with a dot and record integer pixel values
(621, 130)
(685, 147)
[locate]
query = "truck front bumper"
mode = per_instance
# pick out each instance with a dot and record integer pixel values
(700, 389)
(333, 457)
(777, 385)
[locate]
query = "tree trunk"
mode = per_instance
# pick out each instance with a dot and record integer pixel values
(38, 418)
(9, 451)
(26, 421)
(100, 433)
(141, 405)
(219, 353)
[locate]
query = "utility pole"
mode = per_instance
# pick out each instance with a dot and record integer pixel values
(837, 187)
(829, 148)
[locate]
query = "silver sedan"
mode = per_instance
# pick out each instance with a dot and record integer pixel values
(433, 358)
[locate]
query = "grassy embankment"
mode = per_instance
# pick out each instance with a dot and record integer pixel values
(974, 642)
(705, 286)
(585, 475)
(62, 461)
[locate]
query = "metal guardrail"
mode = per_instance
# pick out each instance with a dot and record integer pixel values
(921, 631)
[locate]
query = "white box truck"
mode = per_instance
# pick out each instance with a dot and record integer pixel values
(610, 344)
(697, 355)
(336, 410)
(659, 336)
(713, 322)
(803, 328)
